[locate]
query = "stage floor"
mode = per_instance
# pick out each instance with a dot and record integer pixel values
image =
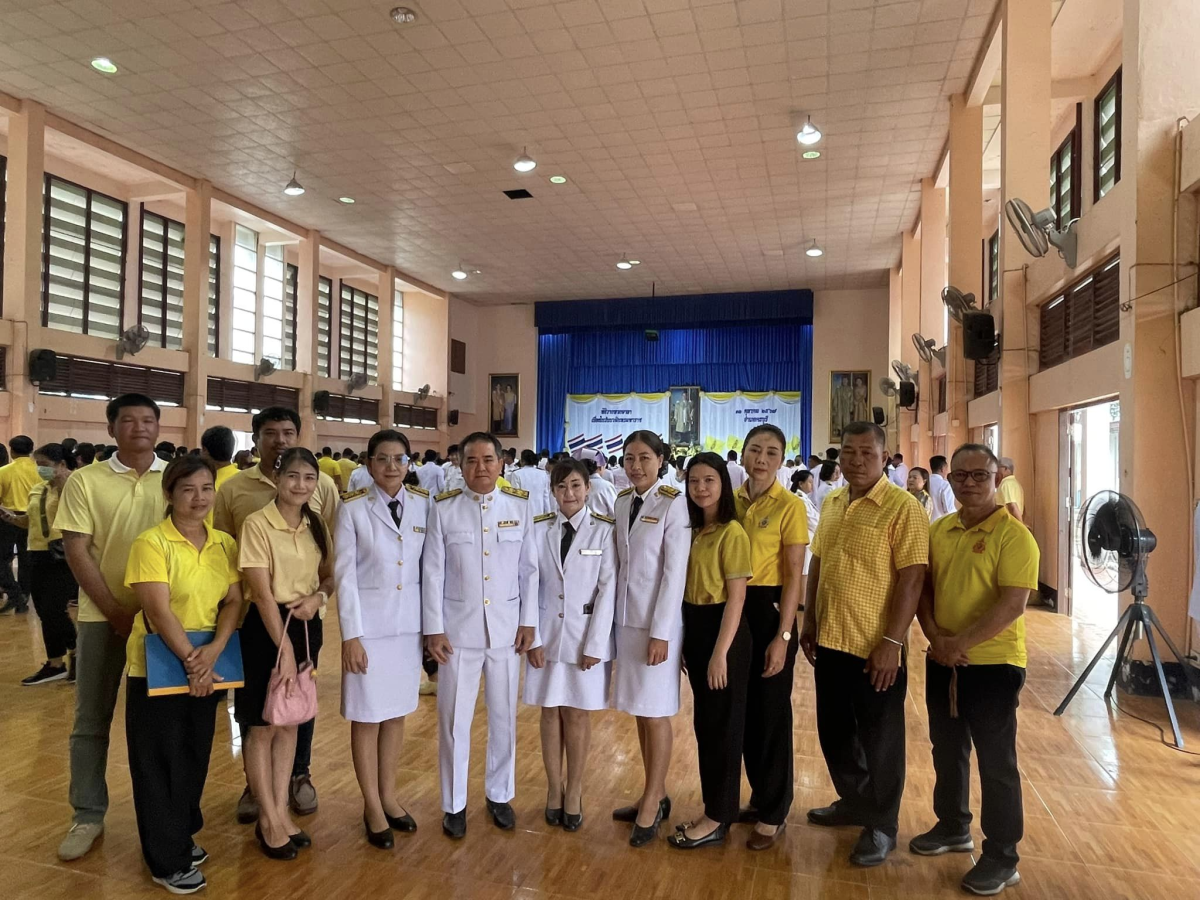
(1110, 811)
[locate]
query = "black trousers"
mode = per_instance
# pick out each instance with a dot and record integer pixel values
(12, 544)
(988, 697)
(52, 586)
(767, 746)
(862, 737)
(718, 717)
(170, 741)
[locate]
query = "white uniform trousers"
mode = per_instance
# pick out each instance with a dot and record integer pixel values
(458, 691)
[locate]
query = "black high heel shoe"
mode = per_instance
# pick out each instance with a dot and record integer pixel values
(680, 841)
(555, 816)
(405, 823)
(287, 851)
(629, 813)
(381, 839)
(640, 836)
(572, 822)
(301, 839)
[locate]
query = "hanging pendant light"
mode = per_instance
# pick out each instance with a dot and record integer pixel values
(294, 188)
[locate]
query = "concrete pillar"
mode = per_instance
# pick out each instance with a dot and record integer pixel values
(308, 286)
(910, 321)
(23, 258)
(1157, 89)
(387, 299)
(1024, 168)
(197, 228)
(933, 279)
(966, 260)
(895, 303)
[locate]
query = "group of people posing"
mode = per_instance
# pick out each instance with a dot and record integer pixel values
(607, 610)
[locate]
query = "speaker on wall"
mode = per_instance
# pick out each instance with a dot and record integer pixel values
(908, 394)
(321, 402)
(452, 417)
(877, 415)
(43, 365)
(979, 335)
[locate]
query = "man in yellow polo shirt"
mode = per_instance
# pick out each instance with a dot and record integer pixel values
(1009, 493)
(869, 559)
(347, 466)
(16, 481)
(216, 445)
(983, 564)
(327, 464)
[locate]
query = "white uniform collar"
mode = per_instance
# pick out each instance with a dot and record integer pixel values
(575, 520)
(120, 468)
(481, 498)
(650, 490)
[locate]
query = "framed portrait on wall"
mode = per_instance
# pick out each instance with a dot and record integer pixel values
(849, 400)
(684, 430)
(504, 404)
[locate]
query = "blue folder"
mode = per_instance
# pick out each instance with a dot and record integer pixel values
(165, 673)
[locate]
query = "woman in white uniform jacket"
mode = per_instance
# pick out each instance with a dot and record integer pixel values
(653, 542)
(577, 569)
(379, 536)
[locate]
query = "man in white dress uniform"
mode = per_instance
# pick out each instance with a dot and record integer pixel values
(430, 475)
(941, 494)
(479, 601)
(737, 475)
(536, 482)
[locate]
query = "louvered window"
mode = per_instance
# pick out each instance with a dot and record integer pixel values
(214, 296)
(3, 221)
(273, 314)
(1064, 177)
(1053, 349)
(1085, 316)
(160, 280)
(1107, 143)
(358, 333)
(291, 275)
(324, 313)
(987, 372)
(245, 295)
(398, 342)
(361, 410)
(97, 379)
(994, 267)
(83, 259)
(231, 395)
(407, 416)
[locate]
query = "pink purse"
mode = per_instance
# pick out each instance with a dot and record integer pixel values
(301, 705)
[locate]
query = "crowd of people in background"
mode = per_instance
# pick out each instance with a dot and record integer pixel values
(609, 575)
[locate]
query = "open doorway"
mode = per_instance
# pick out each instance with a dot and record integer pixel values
(1093, 464)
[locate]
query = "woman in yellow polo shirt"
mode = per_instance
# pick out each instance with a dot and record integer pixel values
(776, 522)
(184, 575)
(716, 646)
(286, 554)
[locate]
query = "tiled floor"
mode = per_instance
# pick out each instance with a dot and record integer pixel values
(1110, 811)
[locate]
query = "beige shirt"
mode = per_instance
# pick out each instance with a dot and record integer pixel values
(250, 490)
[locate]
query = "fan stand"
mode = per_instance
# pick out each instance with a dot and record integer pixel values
(1138, 612)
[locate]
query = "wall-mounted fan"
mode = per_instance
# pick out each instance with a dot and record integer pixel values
(356, 381)
(888, 388)
(928, 349)
(958, 304)
(1037, 232)
(264, 368)
(423, 393)
(903, 371)
(132, 341)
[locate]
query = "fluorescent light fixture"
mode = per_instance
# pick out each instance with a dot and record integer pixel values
(558, 179)
(624, 263)
(105, 65)
(811, 154)
(813, 250)
(346, 200)
(808, 133)
(635, 262)
(524, 162)
(293, 187)
(458, 275)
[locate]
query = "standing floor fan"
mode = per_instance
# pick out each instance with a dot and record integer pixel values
(1115, 543)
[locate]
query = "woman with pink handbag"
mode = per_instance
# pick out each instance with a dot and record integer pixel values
(286, 556)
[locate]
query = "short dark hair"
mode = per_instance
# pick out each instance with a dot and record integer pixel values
(528, 458)
(767, 428)
(800, 477)
(452, 449)
(731, 456)
(431, 455)
(69, 444)
(56, 453)
(937, 464)
(482, 437)
(84, 453)
(813, 458)
(387, 435)
(326, 451)
(977, 448)
(128, 400)
(346, 451)
(274, 414)
(726, 506)
(567, 467)
(854, 429)
(827, 468)
(21, 445)
(219, 442)
(899, 456)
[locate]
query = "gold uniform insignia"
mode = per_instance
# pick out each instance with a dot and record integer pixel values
(668, 491)
(415, 489)
(515, 492)
(446, 495)
(627, 490)
(607, 519)
(354, 495)
(544, 517)
(508, 523)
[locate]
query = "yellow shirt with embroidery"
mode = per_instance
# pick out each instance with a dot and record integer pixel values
(861, 547)
(1010, 491)
(969, 568)
(775, 520)
(17, 479)
(197, 580)
(330, 467)
(290, 554)
(720, 553)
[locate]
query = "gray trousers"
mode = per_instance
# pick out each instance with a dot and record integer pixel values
(99, 663)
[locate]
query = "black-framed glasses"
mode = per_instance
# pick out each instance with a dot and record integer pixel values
(979, 476)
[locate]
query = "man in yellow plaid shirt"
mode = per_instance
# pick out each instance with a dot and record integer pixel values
(868, 567)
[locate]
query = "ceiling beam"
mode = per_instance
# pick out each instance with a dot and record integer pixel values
(1063, 89)
(987, 64)
(120, 151)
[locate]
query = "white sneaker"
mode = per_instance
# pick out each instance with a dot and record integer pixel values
(186, 882)
(79, 840)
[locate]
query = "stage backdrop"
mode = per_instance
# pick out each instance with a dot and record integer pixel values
(601, 421)
(725, 418)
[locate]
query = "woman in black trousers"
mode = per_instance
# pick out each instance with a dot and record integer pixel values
(716, 647)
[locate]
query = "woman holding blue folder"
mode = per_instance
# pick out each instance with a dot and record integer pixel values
(185, 576)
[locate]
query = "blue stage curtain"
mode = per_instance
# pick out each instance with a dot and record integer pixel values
(725, 358)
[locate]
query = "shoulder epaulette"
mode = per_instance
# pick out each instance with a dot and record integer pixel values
(515, 492)
(544, 517)
(667, 491)
(609, 519)
(627, 490)
(354, 495)
(416, 489)
(446, 495)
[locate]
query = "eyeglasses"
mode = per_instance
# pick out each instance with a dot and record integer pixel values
(399, 459)
(979, 476)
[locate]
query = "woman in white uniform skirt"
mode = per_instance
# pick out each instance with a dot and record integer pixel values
(653, 540)
(377, 568)
(569, 672)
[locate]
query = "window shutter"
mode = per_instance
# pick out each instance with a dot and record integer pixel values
(291, 275)
(1080, 314)
(99, 379)
(324, 307)
(1053, 349)
(160, 280)
(249, 396)
(1106, 304)
(214, 296)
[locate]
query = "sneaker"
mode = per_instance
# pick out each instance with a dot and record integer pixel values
(199, 855)
(247, 808)
(427, 687)
(187, 882)
(302, 796)
(79, 840)
(45, 675)
(990, 877)
(11, 606)
(70, 667)
(941, 839)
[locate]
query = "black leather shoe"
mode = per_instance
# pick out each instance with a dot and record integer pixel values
(454, 824)
(833, 816)
(747, 815)
(502, 815)
(287, 851)
(554, 816)
(405, 823)
(629, 813)
(872, 848)
(640, 836)
(680, 841)
(301, 839)
(572, 822)
(381, 839)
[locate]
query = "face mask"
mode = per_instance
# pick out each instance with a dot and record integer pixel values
(46, 473)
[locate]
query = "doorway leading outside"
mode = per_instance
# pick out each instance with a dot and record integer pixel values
(1093, 465)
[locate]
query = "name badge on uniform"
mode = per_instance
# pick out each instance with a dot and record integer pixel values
(591, 552)
(508, 523)
(649, 520)
(418, 529)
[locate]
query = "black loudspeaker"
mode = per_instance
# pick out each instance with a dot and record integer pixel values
(452, 417)
(43, 365)
(979, 336)
(908, 394)
(877, 415)
(321, 402)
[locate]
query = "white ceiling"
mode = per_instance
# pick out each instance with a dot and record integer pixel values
(673, 120)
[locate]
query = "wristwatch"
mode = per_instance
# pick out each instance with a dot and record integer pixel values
(786, 635)
(324, 603)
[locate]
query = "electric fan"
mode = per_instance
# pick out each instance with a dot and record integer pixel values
(1114, 546)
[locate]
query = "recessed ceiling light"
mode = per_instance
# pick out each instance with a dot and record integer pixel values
(624, 263)
(635, 262)
(345, 199)
(813, 250)
(524, 162)
(105, 65)
(402, 15)
(808, 133)
(293, 187)
(458, 275)
(558, 179)
(811, 154)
